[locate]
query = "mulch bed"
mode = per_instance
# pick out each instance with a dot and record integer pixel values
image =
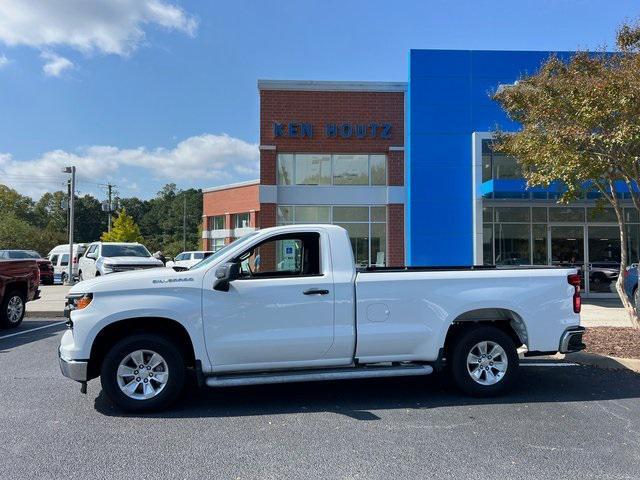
(613, 341)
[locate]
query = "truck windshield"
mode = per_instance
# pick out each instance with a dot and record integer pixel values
(125, 251)
(212, 258)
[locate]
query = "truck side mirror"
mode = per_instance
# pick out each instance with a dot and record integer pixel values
(225, 274)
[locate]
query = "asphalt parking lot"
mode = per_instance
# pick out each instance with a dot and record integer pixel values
(563, 422)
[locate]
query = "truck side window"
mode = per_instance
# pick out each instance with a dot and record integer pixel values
(65, 260)
(54, 259)
(288, 255)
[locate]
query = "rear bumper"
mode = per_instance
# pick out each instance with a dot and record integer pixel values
(571, 340)
(73, 369)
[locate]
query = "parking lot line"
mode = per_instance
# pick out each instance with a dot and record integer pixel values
(32, 330)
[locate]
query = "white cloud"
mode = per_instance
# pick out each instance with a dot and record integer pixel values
(95, 26)
(216, 159)
(55, 64)
(4, 61)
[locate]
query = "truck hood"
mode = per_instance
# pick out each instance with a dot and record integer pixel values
(132, 260)
(137, 280)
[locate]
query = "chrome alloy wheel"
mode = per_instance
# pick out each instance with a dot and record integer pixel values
(142, 374)
(487, 363)
(15, 309)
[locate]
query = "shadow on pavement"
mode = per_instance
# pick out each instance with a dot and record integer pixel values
(359, 399)
(26, 337)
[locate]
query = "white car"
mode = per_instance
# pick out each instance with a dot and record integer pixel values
(59, 257)
(102, 258)
(188, 259)
(286, 304)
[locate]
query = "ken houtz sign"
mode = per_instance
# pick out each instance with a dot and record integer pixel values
(343, 130)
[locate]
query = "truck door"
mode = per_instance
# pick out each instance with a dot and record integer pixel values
(279, 313)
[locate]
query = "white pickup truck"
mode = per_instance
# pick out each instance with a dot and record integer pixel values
(286, 304)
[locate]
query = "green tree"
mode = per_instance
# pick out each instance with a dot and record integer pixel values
(13, 202)
(90, 220)
(16, 233)
(580, 126)
(124, 229)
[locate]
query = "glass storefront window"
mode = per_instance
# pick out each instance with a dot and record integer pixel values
(512, 244)
(378, 244)
(311, 169)
(633, 243)
(566, 214)
(284, 215)
(539, 214)
(312, 214)
(539, 238)
(497, 165)
(512, 214)
(285, 169)
(216, 222)
(378, 214)
(351, 170)
(631, 215)
(378, 166)
(241, 220)
(359, 236)
(487, 244)
(350, 214)
(487, 214)
(595, 214)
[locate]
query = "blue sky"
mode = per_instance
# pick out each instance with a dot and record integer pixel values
(145, 92)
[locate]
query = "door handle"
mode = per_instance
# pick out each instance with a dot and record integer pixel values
(316, 291)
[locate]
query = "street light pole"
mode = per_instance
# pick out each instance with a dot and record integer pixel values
(72, 171)
(184, 223)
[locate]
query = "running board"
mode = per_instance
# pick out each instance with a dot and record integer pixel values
(237, 380)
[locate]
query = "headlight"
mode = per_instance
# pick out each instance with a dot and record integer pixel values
(79, 301)
(108, 266)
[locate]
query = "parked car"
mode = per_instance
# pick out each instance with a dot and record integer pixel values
(19, 281)
(631, 281)
(102, 258)
(603, 276)
(188, 259)
(307, 314)
(59, 257)
(44, 264)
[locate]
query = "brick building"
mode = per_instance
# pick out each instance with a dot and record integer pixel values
(330, 152)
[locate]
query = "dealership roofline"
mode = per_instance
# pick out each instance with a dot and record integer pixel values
(228, 186)
(317, 85)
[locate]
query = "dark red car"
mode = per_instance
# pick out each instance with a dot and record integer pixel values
(45, 266)
(19, 281)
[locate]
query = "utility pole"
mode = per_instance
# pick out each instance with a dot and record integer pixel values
(184, 222)
(72, 191)
(109, 187)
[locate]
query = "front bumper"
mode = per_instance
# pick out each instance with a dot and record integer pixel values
(571, 340)
(73, 369)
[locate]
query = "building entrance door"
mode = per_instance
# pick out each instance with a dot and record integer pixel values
(566, 247)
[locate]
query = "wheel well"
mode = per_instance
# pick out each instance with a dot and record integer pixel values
(114, 332)
(19, 286)
(506, 320)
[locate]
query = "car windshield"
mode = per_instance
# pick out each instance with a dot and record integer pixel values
(125, 251)
(212, 259)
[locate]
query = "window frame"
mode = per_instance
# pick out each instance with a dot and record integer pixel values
(284, 236)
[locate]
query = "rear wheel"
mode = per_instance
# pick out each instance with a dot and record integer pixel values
(143, 373)
(12, 309)
(484, 361)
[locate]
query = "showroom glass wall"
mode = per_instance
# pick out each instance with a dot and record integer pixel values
(367, 227)
(585, 237)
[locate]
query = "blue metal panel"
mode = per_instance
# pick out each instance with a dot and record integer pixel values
(448, 100)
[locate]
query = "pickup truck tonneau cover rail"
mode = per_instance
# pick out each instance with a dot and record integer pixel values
(438, 268)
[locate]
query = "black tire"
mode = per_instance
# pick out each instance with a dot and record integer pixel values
(156, 343)
(463, 346)
(11, 297)
(63, 278)
(80, 277)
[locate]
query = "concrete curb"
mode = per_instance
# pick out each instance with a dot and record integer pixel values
(604, 361)
(44, 314)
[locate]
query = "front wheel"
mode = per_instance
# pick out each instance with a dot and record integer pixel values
(484, 361)
(142, 373)
(12, 309)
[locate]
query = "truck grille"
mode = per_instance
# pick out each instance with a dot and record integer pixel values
(126, 268)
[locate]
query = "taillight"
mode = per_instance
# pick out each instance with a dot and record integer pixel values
(38, 276)
(574, 279)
